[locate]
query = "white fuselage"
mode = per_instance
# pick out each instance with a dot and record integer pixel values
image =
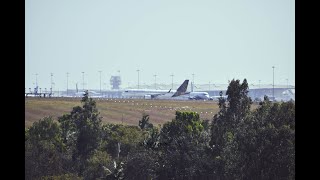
(199, 95)
(90, 93)
(155, 93)
(144, 92)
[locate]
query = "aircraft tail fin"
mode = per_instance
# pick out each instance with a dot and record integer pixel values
(182, 89)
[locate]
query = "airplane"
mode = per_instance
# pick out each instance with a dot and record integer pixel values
(288, 94)
(92, 94)
(217, 97)
(197, 95)
(182, 94)
(182, 89)
(78, 93)
(154, 93)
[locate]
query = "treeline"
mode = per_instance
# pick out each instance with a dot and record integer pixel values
(238, 143)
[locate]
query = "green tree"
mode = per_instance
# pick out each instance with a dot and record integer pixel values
(257, 143)
(231, 114)
(120, 139)
(44, 149)
(185, 122)
(264, 144)
(81, 130)
(144, 122)
(98, 165)
(184, 144)
(152, 139)
(142, 165)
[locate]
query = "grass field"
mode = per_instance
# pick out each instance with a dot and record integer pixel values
(126, 111)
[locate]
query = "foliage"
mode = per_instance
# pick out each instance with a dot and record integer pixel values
(97, 165)
(264, 145)
(152, 139)
(62, 177)
(81, 131)
(142, 165)
(120, 139)
(256, 144)
(144, 122)
(184, 145)
(237, 144)
(184, 123)
(230, 115)
(43, 149)
(116, 171)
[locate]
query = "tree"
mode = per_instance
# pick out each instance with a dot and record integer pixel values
(97, 165)
(120, 139)
(142, 165)
(144, 122)
(44, 149)
(152, 139)
(184, 123)
(264, 145)
(88, 125)
(231, 114)
(184, 144)
(81, 130)
(257, 143)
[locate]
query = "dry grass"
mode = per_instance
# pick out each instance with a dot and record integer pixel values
(127, 111)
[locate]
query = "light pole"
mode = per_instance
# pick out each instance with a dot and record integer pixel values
(193, 78)
(100, 81)
(138, 77)
(119, 84)
(172, 80)
(36, 79)
(213, 85)
(273, 82)
(51, 84)
(83, 81)
(192, 82)
(105, 90)
(67, 82)
(155, 81)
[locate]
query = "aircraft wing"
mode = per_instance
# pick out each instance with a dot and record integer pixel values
(153, 95)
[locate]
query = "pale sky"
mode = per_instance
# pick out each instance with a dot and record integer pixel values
(213, 39)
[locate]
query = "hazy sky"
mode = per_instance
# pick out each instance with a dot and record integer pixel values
(216, 40)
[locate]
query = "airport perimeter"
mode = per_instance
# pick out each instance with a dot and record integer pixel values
(126, 111)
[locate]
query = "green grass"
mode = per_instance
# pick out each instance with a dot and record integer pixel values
(126, 111)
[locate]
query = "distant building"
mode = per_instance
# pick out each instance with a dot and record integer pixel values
(115, 82)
